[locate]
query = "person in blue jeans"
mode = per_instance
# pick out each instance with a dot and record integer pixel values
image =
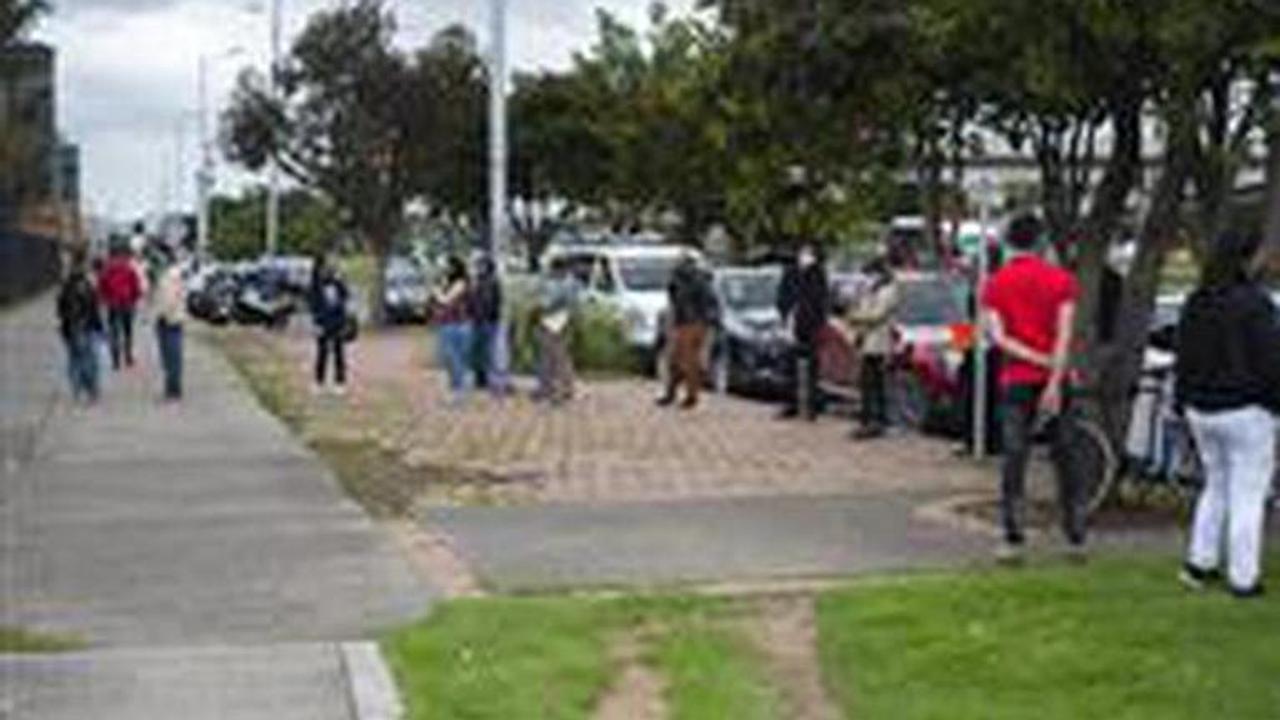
(170, 308)
(80, 323)
(453, 326)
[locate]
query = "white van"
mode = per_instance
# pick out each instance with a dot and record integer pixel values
(631, 278)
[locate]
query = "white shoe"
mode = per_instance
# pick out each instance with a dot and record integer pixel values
(340, 390)
(1008, 553)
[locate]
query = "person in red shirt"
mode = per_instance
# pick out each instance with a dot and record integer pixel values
(1031, 307)
(120, 289)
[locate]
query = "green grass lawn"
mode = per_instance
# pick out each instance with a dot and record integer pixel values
(19, 640)
(1117, 639)
(551, 658)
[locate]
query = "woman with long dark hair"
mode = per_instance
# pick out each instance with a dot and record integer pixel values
(453, 325)
(1228, 382)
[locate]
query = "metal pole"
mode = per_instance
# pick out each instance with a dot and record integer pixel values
(981, 341)
(273, 169)
(498, 133)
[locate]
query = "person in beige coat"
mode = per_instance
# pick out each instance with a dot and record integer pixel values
(870, 323)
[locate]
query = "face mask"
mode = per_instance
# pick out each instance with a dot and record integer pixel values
(807, 259)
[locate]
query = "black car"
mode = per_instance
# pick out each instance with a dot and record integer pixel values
(750, 345)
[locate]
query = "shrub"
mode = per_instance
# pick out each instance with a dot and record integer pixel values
(597, 338)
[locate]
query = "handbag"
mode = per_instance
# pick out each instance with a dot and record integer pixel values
(350, 328)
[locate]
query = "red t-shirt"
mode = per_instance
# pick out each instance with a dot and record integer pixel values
(1027, 294)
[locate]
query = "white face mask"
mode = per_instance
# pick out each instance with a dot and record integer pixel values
(807, 259)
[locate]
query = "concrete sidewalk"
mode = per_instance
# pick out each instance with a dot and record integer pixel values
(167, 529)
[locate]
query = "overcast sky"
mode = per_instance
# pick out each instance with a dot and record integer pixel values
(127, 75)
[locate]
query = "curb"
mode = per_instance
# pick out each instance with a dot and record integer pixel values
(370, 689)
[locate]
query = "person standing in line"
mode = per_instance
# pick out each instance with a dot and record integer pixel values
(1228, 382)
(871, 321)
(557, 297)
(1031, 308)
(485, 308)
(804, 303)
(453, 326)
(171, 310)
(120, 289)
(328, 301)
(693, 310)
(80, 323)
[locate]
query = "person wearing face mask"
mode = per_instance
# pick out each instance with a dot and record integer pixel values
(804, 303)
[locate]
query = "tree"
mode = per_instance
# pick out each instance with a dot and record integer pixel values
(17, 17)
(345, 124)
(310, 224)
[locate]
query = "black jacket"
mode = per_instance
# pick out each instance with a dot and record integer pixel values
(692, 299)
(805, 296)
(78, 310)
(1228, 350)
(484, 303)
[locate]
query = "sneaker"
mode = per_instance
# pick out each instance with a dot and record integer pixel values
(1252, 592)
(665, 401)
(868, 432)
(317, 389)
(1197, 578)
(340, 390)
(1008, 553)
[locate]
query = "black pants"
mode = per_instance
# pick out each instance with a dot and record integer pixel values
(1019, 411)
(330, 344)
(805, 397)
(120, 336)
(873, 379)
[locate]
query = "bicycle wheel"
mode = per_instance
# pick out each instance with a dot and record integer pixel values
(1095, 459)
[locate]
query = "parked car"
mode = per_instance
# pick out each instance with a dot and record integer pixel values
(212, 294)
(407, 295)
(632, 279)
(932, 330)
(750, 345)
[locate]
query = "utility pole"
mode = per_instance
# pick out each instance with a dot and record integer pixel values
(981, 342)
(273, 169)
(498, 132)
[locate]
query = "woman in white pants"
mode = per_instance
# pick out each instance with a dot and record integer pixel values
(1228, 382)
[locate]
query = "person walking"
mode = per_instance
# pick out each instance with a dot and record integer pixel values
(453, 326)
(557, 298)
(1031, 306)
(871, 321)
(80, 323)
(804, 303)
(120, 289)
(485, 309)
(1227, 372)
(328, 301)
(693, 310)
(170, 309)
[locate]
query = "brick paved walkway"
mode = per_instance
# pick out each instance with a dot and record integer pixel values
(611, 444)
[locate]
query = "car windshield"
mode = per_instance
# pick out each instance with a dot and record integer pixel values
(931, 302)
(646, 274)
(748, 291)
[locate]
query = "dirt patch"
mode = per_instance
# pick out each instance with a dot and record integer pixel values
(639, 692)
(1155, 512)
(785, 629)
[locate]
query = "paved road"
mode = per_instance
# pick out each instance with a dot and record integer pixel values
(768, 538)
(172, 529)
(30, 376)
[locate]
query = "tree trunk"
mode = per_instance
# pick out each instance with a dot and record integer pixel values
(1123, 363)
(1271, 228)
(381, 247)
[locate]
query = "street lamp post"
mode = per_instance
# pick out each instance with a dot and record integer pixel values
(273, 169)
(498, 132)
(981, 341)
